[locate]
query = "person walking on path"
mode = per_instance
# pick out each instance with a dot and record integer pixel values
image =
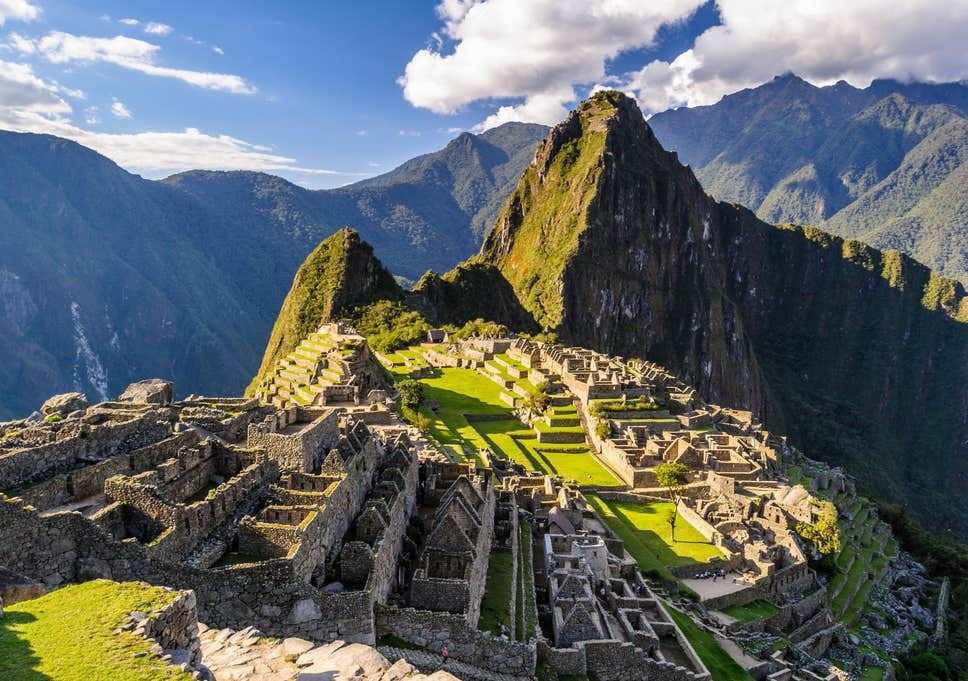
(445, 654)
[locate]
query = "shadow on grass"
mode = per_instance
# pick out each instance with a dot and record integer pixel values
(18, 661)
(656, 543)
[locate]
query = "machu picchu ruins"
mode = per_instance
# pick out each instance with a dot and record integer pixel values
(313, 513)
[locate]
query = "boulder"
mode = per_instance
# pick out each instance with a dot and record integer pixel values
(149, 391)
(35, 417)
(64, 404)
(15, 588)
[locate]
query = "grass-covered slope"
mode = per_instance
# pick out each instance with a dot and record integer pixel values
(69, 635)
(340, 274)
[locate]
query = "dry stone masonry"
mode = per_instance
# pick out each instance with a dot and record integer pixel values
(312, 513)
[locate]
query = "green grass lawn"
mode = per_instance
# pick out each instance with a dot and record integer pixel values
(67, 635)
(512, 440)
(720, 665)
(756, 610)
(496, 603)
(526, 607)
(650, 524)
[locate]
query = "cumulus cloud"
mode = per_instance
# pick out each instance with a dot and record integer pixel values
(21, 88)
(534, 51)
(157, 28)
(119, 110)
(130, 53)
(18, 10)
(821, 40)
(129, 22)
(537, 53)
(28, 103)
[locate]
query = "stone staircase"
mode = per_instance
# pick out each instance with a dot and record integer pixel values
(301, 375)
(429, 662)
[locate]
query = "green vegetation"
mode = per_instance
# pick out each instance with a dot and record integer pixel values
(603, 429)
(673, 476)
(943, 556)
(389, 326)
(526, 626)
(340, 274)
(599, 407)
(756, 610)
(68, 635)
(547, 215)
(720, 665)
(411, 394)
(496, 603)
(53, 418)
(476, 328)
(647, 535)
(509, 439)
(823, 533)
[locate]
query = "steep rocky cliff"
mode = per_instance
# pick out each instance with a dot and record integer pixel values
(339, 274)
(861, 355)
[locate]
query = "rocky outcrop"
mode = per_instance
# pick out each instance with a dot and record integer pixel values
(149, 391)
(64, 404)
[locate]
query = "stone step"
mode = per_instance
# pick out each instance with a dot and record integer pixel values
(429, 662)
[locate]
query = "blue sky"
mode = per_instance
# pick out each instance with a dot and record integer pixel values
(324, 93)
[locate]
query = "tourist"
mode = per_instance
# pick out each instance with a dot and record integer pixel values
(445, 654)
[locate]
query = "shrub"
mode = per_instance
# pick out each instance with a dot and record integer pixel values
(411, 394)
(390, 326)
(52, 418)
(603, 429)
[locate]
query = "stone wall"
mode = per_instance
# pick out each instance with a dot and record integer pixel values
(66, 547)
(175, 627)
(91, 443)
(435, 631)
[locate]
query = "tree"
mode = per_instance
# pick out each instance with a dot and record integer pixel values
(673, 514)
(823, 533)
(673, 476)
(603, 429)
(411, 394)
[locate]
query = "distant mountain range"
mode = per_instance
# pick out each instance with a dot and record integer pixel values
(106, 277)
(886, 164)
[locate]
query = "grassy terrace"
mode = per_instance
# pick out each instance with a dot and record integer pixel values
(461, 392)
(496, 603)
(526, 626)
(721, 666)
(756, 610)
(510, 439)
(645, 530)
(67, 635)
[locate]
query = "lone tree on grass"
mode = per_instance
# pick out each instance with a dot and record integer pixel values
(673, 476)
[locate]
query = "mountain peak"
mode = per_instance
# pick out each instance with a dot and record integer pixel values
(341, 273)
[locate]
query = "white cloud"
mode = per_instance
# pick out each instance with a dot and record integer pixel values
(20, 88)
(821, 40)
(374, 164)
(536, 51)
(409, 133)
(129, 22)
(18, 10)
(157, 28)
(119, 110)
(217, 50)
(30, 104)
(361, 133)
(130, 53)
